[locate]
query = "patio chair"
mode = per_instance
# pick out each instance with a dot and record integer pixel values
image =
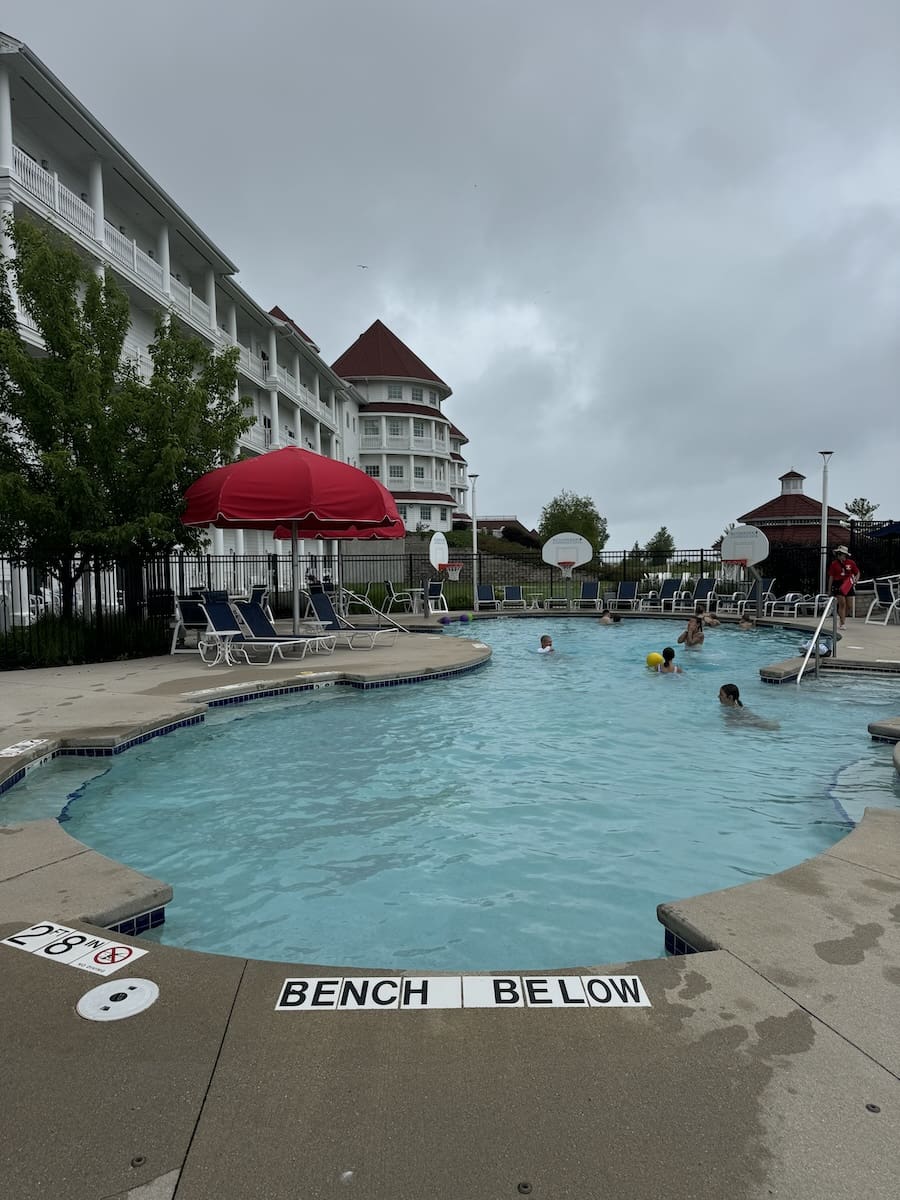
(189, 614)
(435, 600)
(664, 598)
(224, 641)
(738, 602)
(353, 636)
(686, 601)
(485, 596)
(589, 596)
(786, 605)
(392, 597)
(259, 623)
(887, 601)
(626, 595)
(512, 596)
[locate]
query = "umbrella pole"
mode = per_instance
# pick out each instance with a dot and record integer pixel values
(295, 577)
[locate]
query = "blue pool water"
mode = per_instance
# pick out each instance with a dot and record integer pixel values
(528, 815)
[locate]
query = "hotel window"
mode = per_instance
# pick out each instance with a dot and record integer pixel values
(401, 509)
(372, 428)
(375, 472)
(433, 398)
(419, 428)
(395, 472)
(395, 429)
(440, 432)
(417, 395)
(419, 472)
(439, 473)
(425, 512)
(443, 514)
(395, 391)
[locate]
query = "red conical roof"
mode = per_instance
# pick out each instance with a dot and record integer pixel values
(379, 354)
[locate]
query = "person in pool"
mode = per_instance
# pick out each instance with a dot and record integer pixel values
(667, 666)
(746, 622)
(546, 644)
(609, 618)
(730, 698)
(693, 635)
(705, 618)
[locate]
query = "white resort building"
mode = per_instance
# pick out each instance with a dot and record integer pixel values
(60, 167)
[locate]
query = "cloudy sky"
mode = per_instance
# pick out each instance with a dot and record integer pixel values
(653, 247)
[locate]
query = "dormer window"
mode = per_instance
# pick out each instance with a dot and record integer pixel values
(395, 391)
(417, 395)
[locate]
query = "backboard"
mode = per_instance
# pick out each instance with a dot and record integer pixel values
(438, 551)
(569, 548)
(746, 542)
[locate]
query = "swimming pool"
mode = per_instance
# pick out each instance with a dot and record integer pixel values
(529, 815)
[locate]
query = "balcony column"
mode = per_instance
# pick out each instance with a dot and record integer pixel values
(273, 356)
(276, 428)
(296, 369)
(162, 250)
(317, 437)
(6, 137)
(316, 391)
(384, 470)
(95, 196)
(298, 427)
(231, 321)
(239, 541)
(218, 541)
(211, 297)
(412, 478)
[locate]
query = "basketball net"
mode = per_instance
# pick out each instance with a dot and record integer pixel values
(566, 568)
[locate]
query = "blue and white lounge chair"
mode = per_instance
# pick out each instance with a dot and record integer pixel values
(626, 595)
(485, 596)
(259, 624)
(349, 634)
(224, 641)
(887, 601)
(664, 598)
(589, 596)
(701, 594)
(739, 602)
(435, 600)
(512, 596)
(189, 614)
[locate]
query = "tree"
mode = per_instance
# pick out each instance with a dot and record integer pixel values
(861, 508)
(568, 513)
(661, 546)
(94, 461)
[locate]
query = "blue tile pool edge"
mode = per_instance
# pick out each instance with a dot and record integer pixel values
(44, 756)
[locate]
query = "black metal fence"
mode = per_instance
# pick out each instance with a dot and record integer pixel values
(125, 609)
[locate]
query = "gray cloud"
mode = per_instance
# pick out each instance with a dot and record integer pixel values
(653, 248)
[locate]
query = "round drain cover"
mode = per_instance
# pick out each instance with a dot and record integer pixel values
(113, 1001)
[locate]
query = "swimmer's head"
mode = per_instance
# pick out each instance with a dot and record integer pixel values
(730, 696)
(546, 641)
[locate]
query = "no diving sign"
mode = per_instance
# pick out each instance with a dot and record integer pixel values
(82, 950)
(350, 994)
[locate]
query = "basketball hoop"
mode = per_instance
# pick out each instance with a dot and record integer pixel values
(735, 562)
(452, 569)
(566, 568)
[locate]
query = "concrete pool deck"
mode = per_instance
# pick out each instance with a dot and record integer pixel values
(767, 1064)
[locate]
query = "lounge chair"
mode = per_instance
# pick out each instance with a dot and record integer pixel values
(887, 601)
(788, 605)
(225, 642)
(663, 599)
(626, 595)
(353, 636)
(739, 602)
(257, 619)
(392, 597)
(435, 600)
(589, 596)
(189, 614)
(485, 597)
(512, 596)
(701, 594)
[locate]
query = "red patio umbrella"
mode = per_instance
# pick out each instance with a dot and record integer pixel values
(309, 494)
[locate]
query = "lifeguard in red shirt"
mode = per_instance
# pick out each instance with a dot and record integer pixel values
(843, 573)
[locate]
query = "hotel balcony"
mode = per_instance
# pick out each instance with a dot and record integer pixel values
(377, 441)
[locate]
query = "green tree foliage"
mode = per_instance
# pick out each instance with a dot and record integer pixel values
(94, 461)
(861, 508)
(661, 546)
(568, 513)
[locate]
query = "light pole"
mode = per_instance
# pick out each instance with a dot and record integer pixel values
(474, 547)
(823, 547)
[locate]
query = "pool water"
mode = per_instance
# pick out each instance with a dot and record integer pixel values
(528, 815)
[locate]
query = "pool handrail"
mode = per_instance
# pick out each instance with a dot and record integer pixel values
(814, 640)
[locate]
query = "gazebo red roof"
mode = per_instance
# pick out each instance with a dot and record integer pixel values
(792, 505)
(379, 354)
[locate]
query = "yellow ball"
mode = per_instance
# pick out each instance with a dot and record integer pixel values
(654, 660)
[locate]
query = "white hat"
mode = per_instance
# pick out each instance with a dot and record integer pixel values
(841, 550)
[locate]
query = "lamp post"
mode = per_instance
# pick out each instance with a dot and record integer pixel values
(823, 547)
(474, 547)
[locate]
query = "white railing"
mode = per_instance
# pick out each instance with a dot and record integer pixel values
(142, 361)
(289, 381)
(148, 268)
(287, 434)
(180, 294)
(118, 244)
(254, 362)
(258, 437)
(199, 309)
(225, 337)
(423, 485)
(423, 443)
(25, 318)
(74, 210)
(397, 443)
(46, 186)
(33, 177)
(370, 441)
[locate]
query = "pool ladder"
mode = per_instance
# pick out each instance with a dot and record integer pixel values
(829, 609)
